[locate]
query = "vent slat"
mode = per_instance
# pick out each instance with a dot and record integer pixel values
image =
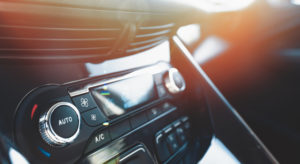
(53, 41)
(138, 49)
(149, 41)
(51, 49)
(54, 52)
(48, 41)
(39, 43)
(56, 39)
(149, 36)
(153, 34)
(157, 27)
(60, 34)
(58, 28)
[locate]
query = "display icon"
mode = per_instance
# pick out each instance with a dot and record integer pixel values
(93, 117)
(84, 102)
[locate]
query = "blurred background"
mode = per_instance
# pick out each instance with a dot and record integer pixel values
(251, 51)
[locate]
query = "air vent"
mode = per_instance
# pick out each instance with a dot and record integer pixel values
(150, 36)
(48, 31)
(17, 41)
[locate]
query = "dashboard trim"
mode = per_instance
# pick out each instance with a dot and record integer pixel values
(258, 143)
(149, 70)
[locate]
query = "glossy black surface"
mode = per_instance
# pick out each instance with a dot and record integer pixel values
(71, 46)
(95, 136)
(228, 125)
(125, 95)
(123, 133)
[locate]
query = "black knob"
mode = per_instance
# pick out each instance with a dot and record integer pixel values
(60, 124)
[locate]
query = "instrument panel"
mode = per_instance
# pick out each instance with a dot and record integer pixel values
(102, 116)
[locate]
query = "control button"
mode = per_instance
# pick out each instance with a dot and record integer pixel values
(177, 123)
(152, 113)
(187, 125)
(180, 135)
(168, 129)
(161, 147)
(84, 102)
(174, 81)
(60, 124)
(172, 142)
(64, 121)
(184, 119)
(98, 140)
(119, 129)
(138, 120)
(166, 106)
(161, 90)
(93, 117)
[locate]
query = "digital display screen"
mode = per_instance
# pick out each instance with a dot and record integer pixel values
(117, 98)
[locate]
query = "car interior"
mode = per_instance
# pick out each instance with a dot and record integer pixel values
(150, 81)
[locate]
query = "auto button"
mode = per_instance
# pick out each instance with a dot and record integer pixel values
(60, 124)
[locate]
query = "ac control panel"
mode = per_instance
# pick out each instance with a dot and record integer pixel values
(84, 116)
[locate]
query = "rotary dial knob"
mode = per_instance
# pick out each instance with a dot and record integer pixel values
(174, 81)
(60, 125)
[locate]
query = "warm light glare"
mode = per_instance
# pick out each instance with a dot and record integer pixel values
(148, 57)
(219, 5)
(16, 157)
(189, 34)
(210, 48)
(218, 153)
(278, 3)
(295, 2)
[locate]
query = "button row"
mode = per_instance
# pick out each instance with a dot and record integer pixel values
(104, 136)
(93, 116)
(115, 131)
(89, 110)
(169, 140)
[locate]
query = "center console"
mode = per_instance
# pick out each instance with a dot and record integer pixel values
(133, 115)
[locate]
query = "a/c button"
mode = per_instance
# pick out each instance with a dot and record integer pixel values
(98, 140)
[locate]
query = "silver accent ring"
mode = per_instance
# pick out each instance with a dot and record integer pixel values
(47, 132)
(170, 82)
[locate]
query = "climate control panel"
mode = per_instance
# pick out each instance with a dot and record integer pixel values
(87, 115)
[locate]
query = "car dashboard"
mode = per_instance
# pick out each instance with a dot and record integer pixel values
(111, 82)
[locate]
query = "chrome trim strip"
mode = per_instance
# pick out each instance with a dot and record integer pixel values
(149, 70)
(132, 153)
(158, 137)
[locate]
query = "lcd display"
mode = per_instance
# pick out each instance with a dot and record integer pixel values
(117, 98)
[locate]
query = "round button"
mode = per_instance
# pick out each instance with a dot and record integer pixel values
(174, 81)
(64, 121)
(60, 124)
